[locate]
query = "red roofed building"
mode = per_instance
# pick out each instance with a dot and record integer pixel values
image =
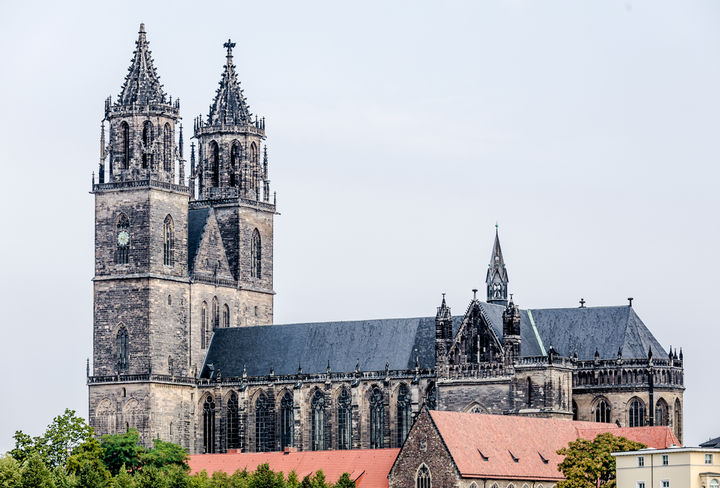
(368, 468)
(454, 449)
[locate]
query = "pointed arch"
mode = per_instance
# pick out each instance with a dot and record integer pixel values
(475, 407)
(167, 147)
(215, 163)
(287, 421)
(678, 419)
(602, 411)
(318, 420)
(215, 314)
(235, 158)
(403, 413)
(575, 411)
(226, 316)
(105, 418)
(122, 349)
(256, 255)
(168, 241)
(377, 419)
(233, 422)
(422, 477)
(122, 252)
(344, 419)
(662, 413)
(147, 140)
(124, 145)
(209, 425)
(204, 329)
(431, 397)
(263, 424)
(636, 412)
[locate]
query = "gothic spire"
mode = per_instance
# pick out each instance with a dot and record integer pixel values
(229, 106)
(497, 277)
(142, 83)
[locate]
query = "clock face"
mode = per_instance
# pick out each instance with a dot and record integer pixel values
(123, 238)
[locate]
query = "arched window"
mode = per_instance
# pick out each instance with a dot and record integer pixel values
(215, 314)
(125, 144)
(122, 253)
(122, 349)
(431, 397)
(636, 413)
(678, 419)
(602, 411)
(287, 421)
(167, 148)
(377, 419)
(256, 255)
(714, 483)
(233, 422)
(215, 162)
(168, 242)
(403, 414)
(253, 153)
(661, 413)
(226, 316)
(344, 420)
(529, 392)
(317, 410)
(263, 424)
(147, 140)
(209, 425)
(204, 332)
(422, 478)
(235, 157)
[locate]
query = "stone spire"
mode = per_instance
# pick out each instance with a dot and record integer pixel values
(142, 83)
(229, 106)
(443, 321)
(497, 277)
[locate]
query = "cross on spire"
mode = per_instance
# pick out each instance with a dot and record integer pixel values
(582, 303)
(229, 45)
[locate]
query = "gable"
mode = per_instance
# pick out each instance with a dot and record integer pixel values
(210, 259)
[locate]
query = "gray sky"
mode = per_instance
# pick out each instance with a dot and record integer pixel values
(399, 133)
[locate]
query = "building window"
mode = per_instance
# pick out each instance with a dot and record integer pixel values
(147, 140)
(122, 253)
(167, 148)
(263, 424)
(344, 420)
(226, 316)
(714, 483)
(641, 461)
(636, 413)
(215, 314)
(708, 458)
(574, 410)
(403, 413)
(215, 161)
(529, 392)
(431, 397)
(256, 255)
(640, 484)
(422, 479)
(125, 136)
(661, 413)
(317, 410)
(377, 419)
(168, 242)
(602, 411)
(233, 422)
(665, 483)
(235, 153)
(204, 332)
(209, 425)
(678, 419)
(287, 417)
(665, 459)
(121, 349)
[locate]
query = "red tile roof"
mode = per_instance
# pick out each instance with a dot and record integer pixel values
(488, 445)
(369, 468)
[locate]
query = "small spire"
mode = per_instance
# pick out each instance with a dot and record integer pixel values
(142, 83)
(681, 354)
(181, 144)
(619, 352)
(357, 366)
(670, 353)
(597, 353)
(650, 354)
(328, 367)
(497, 276)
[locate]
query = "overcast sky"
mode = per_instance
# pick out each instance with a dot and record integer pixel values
(398, 134)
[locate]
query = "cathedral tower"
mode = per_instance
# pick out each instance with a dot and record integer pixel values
(497, 277)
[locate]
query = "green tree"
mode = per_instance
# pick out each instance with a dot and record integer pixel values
(178, 477)
(10, 472)
(199, 480)
(62, 478)
(88, 452)
(150, 477)
(345, 482)
(240, 479)
(123, 479)
(219, 479)
(589, 464)
(164, 454)
(318, 481)
(92, 475)
(122, 449)
(35, 474)
(264, 477)
(292, 480)
(24, 446)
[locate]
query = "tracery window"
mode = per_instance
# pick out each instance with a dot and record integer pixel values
(317, 411)
(125, 141)
(233, 422)
(529, 392)
(263, 424)
(344, 420)
(287, 421)
(226, 316)
(422, 479)
(235, 156)
(714, 483)
(602, 411)
(122, 253)
(661, 413)
(215, 161)
(204, 332)
(678, 418)
(167, 148)
(147, 140)
(215, 314)
(636, 413)
(168, 242)
(256, 255)
(377, 418)
(122, 349)
(209, 425)
(403, 414)
(431, 397)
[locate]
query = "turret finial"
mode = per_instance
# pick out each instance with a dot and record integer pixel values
(229, 45)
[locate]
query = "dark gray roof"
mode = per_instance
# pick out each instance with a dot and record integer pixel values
(711, 443)
(530, 344)
(196, 223)
(605, 329)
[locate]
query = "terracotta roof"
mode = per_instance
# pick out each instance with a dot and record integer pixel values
(369, 468)
(511, 447)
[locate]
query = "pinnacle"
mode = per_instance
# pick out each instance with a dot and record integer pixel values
(229, 106)
(142, 84)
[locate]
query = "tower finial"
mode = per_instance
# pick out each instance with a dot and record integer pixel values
(229, 45)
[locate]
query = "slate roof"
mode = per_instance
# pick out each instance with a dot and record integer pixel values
(530, 440)
(368, 468)
(196, 223)
(711, 443)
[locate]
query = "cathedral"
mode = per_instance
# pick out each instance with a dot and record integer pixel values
(184, 344)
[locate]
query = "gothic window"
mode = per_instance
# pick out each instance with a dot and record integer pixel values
(216, 314)
(167, 148)
(125, 141)
(661, 413)
(529, 392)
(226, 316)
(168, 242)
(209, 425)
(602, 411)
(147, 140)
(253, 153)
(636, 413)
(122, 253)
(215, 162)
(235, 154)
(233, 422)
(377, 418)
(204, 332)
(678, 419)
(121, 349)
(263, 423)
(403, 414)
(256, 255)
(344, 420)
(431, 397)
(714, 483)
(287, 421)
(422, 478)
(317, 410)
